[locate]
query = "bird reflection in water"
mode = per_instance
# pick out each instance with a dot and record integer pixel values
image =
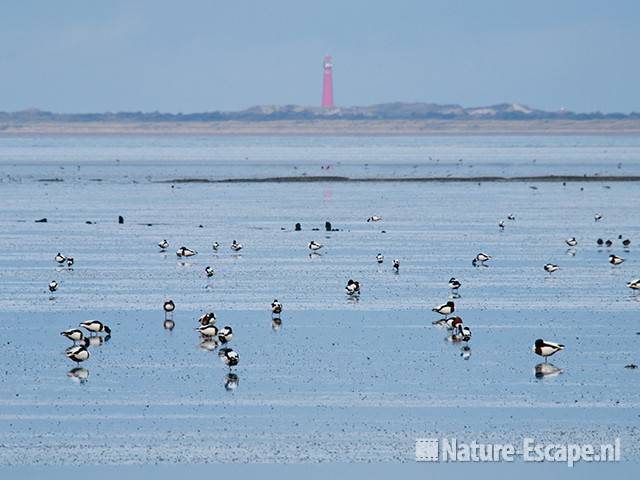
(169, 324)
(546, 370)
(78, 374)
(209, 344)
(231, 381)
(276, 324)
(98, 340)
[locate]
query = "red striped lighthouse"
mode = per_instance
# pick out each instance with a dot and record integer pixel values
(327, 82)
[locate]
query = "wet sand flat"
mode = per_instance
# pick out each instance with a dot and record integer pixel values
(341, 380)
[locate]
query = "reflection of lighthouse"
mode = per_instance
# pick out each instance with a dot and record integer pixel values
(327, 83)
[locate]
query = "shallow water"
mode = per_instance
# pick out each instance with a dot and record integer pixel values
(341, 380)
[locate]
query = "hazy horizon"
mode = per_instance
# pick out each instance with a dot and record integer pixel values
(203, 56)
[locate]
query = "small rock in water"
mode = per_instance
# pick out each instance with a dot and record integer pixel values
(200, 226)
(120, 219)
(297, 227)
(42, 220)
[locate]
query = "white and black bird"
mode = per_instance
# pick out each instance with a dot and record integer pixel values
(481, 258)
(454, 283)
(501, 224)
(209, 271)
(60, 258)
(209, 330)
(615, 260)
(551, 267)
(215, 246)
(314, 246)
(163, 245)
(168, 306)
(95, 326)
(374, 218)
(353, 287)
(396, 265)
(73, 334)
(572, 242)
(53, 286)
(451, 323)
(231, 381)
(597, 217)
(208, 318)
(276, 307)
(464, 333)
(185, 252)
(511, 216)
(79, 353)
(235, 246)
(546, 349)
(445, 309)
(379, 258)
(634, 284)
(225, 334)
(70, 262)
(229, 357)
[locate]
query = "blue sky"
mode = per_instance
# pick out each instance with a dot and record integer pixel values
(189, 56)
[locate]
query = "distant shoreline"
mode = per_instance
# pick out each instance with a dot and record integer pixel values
(333, 127)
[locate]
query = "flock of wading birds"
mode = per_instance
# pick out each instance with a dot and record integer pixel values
(212, 336)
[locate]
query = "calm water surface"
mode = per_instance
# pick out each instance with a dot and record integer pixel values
(341, 380)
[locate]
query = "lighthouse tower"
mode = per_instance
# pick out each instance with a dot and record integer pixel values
(327, 82)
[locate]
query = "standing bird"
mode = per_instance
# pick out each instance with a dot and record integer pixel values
(229, 357)
(464, 333)
(209, 330)
(60, 258)
(95, 326)
(550, 267)
(572, 242)
(73, 334)
(352, 287)
(276, 307)
(215, 246)
(53, 286)
(225, 334)
(79, 353)
(615, 260)
(634, 284)
(480, 259)
(396, 265)
(185, 252)
(209, 271)
(501, 224)
(207, 319)
(546, 349)
(163, 245)
(236, 247)
(446, 309)
(314, 246)
(374, 218)
(380, 258)
(168, 307)
(597, 217)
(70, 262)
(454, 284)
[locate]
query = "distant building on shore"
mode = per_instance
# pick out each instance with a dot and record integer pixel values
(327, 82)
